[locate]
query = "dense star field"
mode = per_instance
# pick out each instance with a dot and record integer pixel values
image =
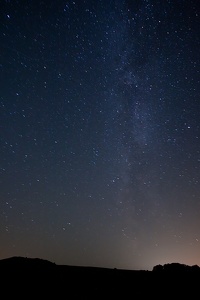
(100, 132)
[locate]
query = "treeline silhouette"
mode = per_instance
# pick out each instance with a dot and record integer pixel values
(177, 267)
(34, 277)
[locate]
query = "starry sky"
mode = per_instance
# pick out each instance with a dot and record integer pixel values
(100, 132)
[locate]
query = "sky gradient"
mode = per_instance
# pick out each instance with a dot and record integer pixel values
(100, 132)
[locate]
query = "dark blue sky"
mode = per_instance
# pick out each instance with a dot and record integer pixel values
(100, 132)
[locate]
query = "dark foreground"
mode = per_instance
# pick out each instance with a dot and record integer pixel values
(35, 278)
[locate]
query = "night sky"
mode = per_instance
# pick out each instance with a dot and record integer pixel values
(100, 132)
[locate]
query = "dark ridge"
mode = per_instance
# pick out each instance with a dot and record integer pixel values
(176, 267)
(18, 261)
(34, 277)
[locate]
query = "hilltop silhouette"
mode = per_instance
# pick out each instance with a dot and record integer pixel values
(177, 267)
(25, 262)
(38, 277)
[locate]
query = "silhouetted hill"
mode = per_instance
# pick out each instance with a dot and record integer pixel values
(27, 277)
(177, 267)
(24, 262)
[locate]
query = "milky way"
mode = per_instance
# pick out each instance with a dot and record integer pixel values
(100, 132)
